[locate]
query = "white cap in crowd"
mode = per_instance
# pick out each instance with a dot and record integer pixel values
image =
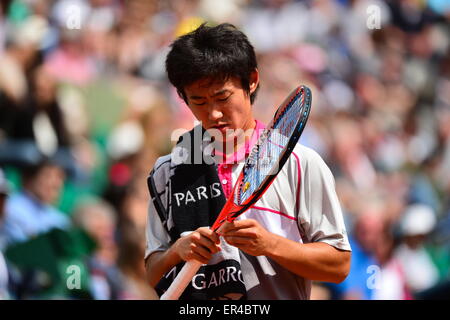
(418, 219)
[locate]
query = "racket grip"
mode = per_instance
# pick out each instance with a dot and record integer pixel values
(182, 280)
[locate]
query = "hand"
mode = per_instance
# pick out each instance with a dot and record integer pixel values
(249, 236)
(200, 245)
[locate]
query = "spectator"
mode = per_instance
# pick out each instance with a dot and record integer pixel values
(16, 62)
(39, 128)
(70, 62)
(390, 280)
(359, 285)
(131, 247)
(416, 224)
(98, 219)
(31, 210)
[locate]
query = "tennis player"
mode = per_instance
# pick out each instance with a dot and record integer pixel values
(292, 236)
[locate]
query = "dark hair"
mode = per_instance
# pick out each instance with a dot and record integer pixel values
(30, 171)
(211, 52)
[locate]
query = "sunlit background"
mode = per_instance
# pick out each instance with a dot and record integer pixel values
(86, 108)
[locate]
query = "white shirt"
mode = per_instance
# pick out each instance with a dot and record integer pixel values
(300, 205)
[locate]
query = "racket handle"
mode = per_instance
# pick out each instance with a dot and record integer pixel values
(182, 280)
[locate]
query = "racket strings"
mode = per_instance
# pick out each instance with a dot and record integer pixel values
(263, 160)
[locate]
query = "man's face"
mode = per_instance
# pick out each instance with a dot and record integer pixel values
(369, 230)
(222, 105)
(47, 184)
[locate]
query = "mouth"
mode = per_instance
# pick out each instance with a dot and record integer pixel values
(225, 131)
(221, 127)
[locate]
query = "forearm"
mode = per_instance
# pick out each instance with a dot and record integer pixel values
(160, 262)
(199, 245)
(315, 261)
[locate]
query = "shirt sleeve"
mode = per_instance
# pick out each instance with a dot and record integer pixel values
(157, 238)
(320, 213)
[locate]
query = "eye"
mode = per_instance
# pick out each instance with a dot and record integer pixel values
(197, 102)
(224, 99)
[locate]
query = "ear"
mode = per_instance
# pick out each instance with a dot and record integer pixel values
(254, 80)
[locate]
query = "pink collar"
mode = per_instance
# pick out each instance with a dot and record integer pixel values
(242, 152)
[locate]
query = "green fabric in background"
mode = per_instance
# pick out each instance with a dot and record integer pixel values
(12, 175)
(56, 257)
(440, 255)
(18, 11)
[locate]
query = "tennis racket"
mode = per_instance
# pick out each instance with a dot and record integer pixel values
(264, 162)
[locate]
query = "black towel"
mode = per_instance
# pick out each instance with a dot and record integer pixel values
(196, 200)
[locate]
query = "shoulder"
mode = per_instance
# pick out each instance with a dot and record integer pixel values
(308, 159)
(57, 218)
(312, 167)
(162, 162)
(307, 155)
(17, 197)
(162, 167)
(18, 205)
(160, 174)
(56, 213)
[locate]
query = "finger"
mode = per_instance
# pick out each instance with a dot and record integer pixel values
(226, 227)
(236, 225)
(242, 232)
(201, 251)
(200, 240)
(200, 258)
(222, 229)
(245, 223)
(210, 234)
(237, 241)
(205, 242)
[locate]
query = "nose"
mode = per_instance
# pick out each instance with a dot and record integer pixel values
(215, 113)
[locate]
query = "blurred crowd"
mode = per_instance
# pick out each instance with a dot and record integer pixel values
(86, 108)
